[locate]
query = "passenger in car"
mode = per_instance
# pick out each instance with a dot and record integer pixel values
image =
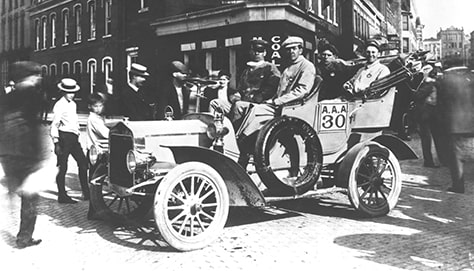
(370, 72)
(133, 103)
(334, 72)
(257, 83)
(296, 81)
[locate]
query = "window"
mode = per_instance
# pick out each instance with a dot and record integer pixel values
(65, 68)
(405, 23)
(107, 67)
(43, 32)
(405, 46)
(77, 67)
(44, 71)
(37, 34)
(92, 26)
(65, 26)
(91, 70)
(77, 22)
(52, 20)
(108, 17)
(52, 70)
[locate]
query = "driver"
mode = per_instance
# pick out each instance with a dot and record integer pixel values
(296, 81)
(372, 70)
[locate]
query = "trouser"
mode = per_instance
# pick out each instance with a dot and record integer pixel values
(461, 147)
(258, 115)
(28, 215)
(429, 128)
(69, 143)
(16, 170)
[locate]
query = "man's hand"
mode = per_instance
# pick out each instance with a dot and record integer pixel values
(57, 149)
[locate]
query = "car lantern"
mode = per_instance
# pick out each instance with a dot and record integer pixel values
(217, 130)
(137, 159)
(93, 155)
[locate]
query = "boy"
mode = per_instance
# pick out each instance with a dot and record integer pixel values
(65, 134)
(96, 129)
(223, 93)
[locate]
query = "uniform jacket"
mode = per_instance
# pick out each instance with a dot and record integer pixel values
(134, 105)
(259, 83)
(456, 101)
(296, 81)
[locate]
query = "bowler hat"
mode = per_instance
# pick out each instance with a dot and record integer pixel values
(22, 69)
(373, 43)
(258, 44)
(68, 85)
(224, 73)
(292, 41)
(138, 69)
(178, 66)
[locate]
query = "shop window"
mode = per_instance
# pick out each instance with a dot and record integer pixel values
(405, 23)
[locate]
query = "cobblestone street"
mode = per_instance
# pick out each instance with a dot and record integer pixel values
(430, 229)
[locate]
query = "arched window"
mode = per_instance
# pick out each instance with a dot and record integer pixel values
(107, 67)
(92, 26)
(65, 68)
(65, 15)
(44, 70)
(52, 70)
(77, 67)
(92, 70)
(77, 22)
(52, 20)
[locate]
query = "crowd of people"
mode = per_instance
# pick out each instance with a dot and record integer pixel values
(261, 88)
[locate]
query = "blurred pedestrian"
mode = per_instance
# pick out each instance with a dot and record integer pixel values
(65, 134)
(426, 97)
(456, 106)
(22, 148)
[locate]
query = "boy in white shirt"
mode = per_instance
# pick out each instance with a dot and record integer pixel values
(96, 129)
(65, 134)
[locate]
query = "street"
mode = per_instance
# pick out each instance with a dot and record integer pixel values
(430, 229)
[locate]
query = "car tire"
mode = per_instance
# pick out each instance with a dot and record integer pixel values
(375, 182)
(191, 206)
(288, 156)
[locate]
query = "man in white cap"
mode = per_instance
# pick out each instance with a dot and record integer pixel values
(372, 70)
(133, 102)
(65, 134)
(296, 81)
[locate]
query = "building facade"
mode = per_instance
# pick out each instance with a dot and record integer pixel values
(434, 46)
(452, 42)
(14, 35)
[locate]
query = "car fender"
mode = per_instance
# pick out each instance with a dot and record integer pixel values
(344, 169)
(399, 148)
(242, 190)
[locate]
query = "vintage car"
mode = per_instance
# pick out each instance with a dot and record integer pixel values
(186, 170)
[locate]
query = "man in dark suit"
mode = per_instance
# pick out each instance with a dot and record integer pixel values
(174, 92)
(456, 107)
(133, 102)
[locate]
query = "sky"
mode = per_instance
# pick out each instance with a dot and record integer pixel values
(436, 14)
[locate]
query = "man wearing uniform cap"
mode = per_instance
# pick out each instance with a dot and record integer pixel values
(296, 81)
(65, 134)
(372, 70)
(257, 83)
(22, 148)
(133, 101)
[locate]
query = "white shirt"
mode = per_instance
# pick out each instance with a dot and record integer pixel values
(65, 118)
(95, 130)
(368, 74)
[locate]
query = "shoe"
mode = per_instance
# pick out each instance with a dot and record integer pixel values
(31, 242)
(456, 190)
(66, 199)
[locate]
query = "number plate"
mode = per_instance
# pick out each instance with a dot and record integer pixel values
(333, 117)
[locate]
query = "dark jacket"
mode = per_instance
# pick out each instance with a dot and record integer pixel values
(167, 96)
(134, 105)
(456, 101)
(259, 84)
(334, 74)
